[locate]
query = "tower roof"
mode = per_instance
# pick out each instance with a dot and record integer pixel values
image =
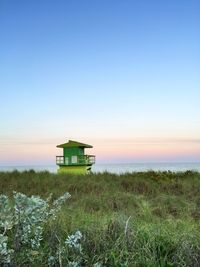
(72, 143)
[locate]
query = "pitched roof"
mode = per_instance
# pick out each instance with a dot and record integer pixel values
(72, 143)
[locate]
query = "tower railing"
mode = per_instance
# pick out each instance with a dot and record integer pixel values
(75, 160)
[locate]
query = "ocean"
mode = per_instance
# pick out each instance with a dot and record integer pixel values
(118, 168)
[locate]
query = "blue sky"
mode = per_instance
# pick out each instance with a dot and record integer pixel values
(121, 75)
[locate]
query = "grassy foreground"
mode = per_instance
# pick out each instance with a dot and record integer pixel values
(134, 219)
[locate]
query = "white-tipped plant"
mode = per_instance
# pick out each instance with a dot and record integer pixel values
(22, 221)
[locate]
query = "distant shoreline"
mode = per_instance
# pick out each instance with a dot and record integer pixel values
(118, 168)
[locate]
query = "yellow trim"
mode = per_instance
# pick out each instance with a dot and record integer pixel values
(73, 169)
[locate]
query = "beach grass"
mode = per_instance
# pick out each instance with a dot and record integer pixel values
(132, 219)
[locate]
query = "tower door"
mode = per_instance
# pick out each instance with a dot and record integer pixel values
(66, 161)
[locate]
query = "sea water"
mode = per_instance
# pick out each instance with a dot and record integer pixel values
(117, 167)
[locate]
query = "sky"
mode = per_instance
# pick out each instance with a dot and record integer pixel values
(120, 75)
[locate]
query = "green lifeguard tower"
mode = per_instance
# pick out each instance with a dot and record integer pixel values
(74, 160)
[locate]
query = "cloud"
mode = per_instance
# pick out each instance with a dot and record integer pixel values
(149, 141)
(31, 141)
(20, 141)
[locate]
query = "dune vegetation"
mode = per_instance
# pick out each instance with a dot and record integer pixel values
(133, 219)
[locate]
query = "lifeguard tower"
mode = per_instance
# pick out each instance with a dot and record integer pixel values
(74, 160)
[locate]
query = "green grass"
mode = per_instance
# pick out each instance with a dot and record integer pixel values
(163, 210)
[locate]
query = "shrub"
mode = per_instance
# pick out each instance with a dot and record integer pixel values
(22, 221)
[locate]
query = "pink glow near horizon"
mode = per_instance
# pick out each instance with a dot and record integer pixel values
(107, 151)
(165, 151)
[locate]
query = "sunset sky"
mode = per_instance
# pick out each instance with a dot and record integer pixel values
(123, 76)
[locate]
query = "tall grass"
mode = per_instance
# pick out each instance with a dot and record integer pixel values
(133, 219)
